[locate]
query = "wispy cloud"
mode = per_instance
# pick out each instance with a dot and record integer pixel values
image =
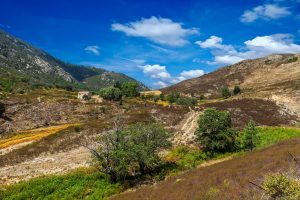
(93, 49)
(158, 30)
(265, 12)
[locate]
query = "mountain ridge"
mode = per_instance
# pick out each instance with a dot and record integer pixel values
(28, 65)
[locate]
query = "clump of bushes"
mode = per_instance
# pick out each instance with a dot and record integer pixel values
(111, 93)
(215, 133)
(131, 150)
(281, 186)
(226, 93)
(181, 100)
(128, 89)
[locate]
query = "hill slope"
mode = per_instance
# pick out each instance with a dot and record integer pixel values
(275, 77)
(22, 65)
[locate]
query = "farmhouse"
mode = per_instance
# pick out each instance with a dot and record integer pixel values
(84, 95)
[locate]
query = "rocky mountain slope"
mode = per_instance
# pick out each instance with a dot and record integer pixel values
(275, 77)
(22, 65)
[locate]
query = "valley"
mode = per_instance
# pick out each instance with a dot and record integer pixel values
(77, 132)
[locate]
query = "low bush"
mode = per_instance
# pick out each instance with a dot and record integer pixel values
(281, 186)
(186, 101)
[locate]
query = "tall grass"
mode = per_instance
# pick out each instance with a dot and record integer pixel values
(80, 184)
(271, 135)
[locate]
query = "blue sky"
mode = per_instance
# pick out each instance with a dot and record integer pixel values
(157, 42)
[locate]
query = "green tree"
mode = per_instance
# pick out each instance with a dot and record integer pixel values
(249, 136)
(2, 109)
(236, 90)
(146, 141)
(130, 89)
(225, 92)
(112, 154)
(111, 93)
(215, 132)
(133, 148)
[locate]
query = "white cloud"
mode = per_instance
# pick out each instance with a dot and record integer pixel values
(161, 73)
(214, 42)
(257, 47)
(93, 49)
(156, 71)
(158, 30)
(191, 74)
(266, 12)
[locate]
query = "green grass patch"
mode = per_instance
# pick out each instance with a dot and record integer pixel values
(186, 157)
(80, 184)
(271, 135)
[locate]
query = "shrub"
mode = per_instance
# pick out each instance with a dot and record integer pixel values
(215, 132)
(186, 101)
(134, 148)
(225, 92)
(2, 109)
(162, 97)
(171, 98)
(111, 93)
(281, 186)
(294, 59)
(249, 136)
(130, 89)
(69, 88)
(202, 97)
(156, 98)
(236, 90)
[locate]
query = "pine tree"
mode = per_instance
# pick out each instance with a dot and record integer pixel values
(249, 136)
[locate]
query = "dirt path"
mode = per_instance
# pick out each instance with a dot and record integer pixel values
(187, 128)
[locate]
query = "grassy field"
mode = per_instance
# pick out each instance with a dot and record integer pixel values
(271, 135)
(82, 183)
(32, 135)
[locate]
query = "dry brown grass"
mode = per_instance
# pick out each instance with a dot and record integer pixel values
(225, 180)
(264, 112)
(32, 135)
